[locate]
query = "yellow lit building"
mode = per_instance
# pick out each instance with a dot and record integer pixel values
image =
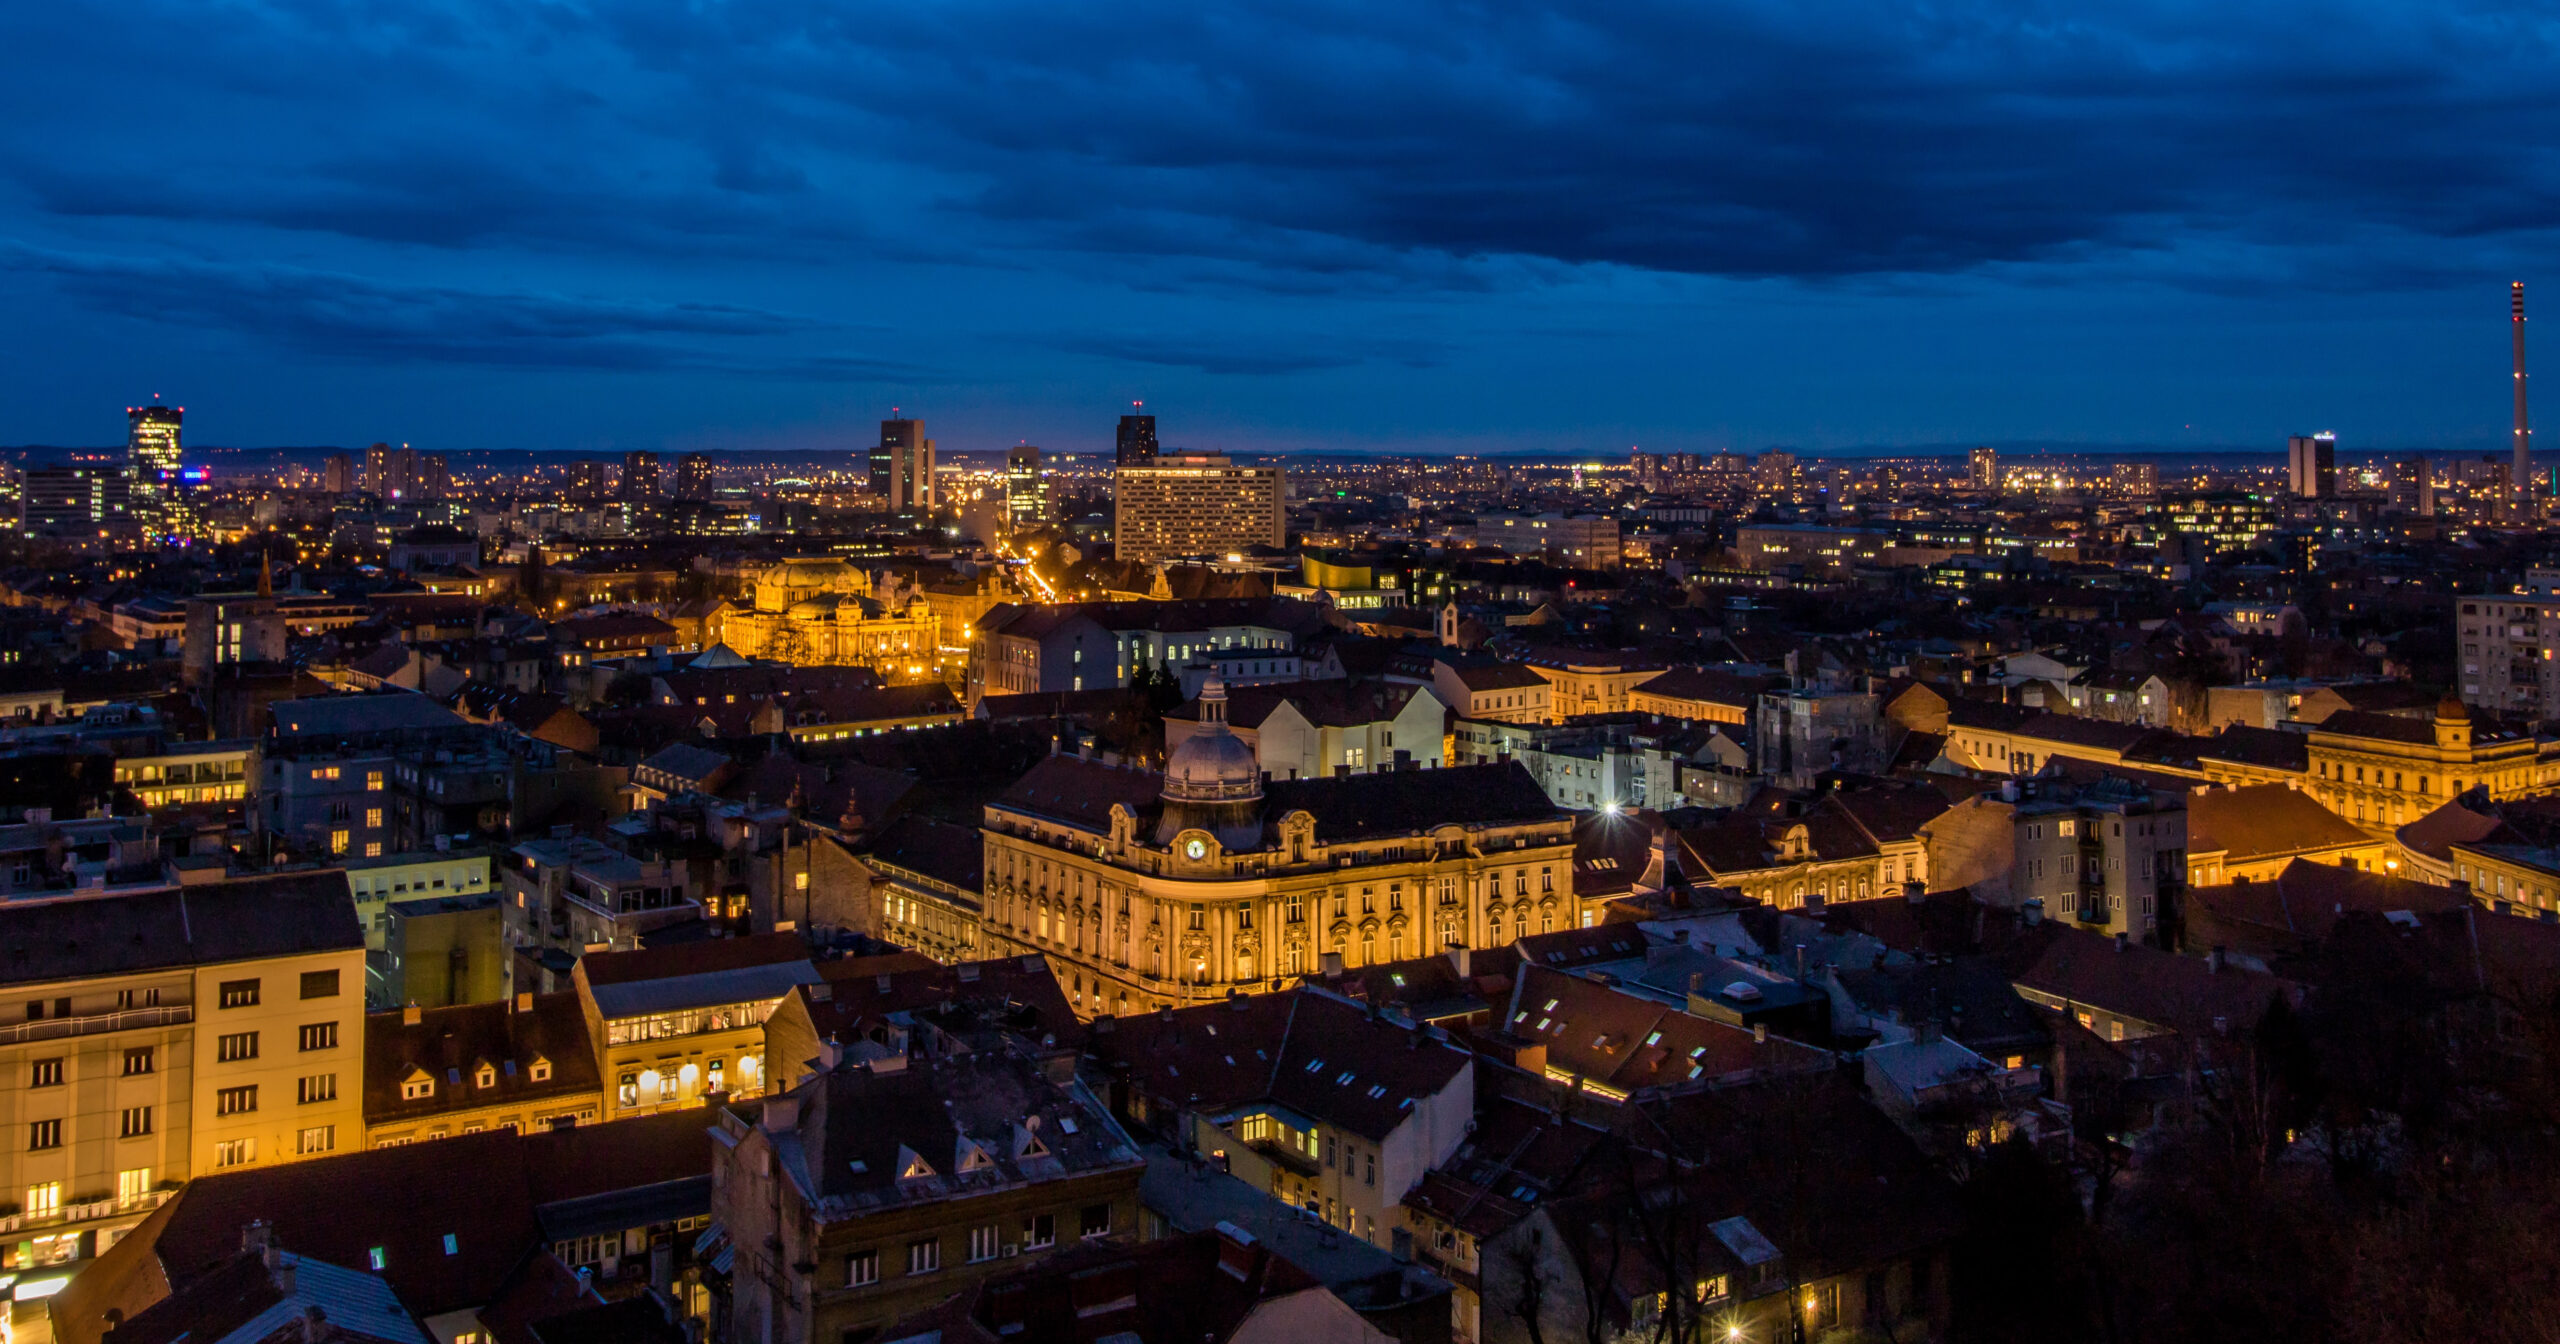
(190, 772)
(1150, 890)
(166, 1034)
(524, 1064)
(1195, 504)
(2382, 771)
(824, 610)
(673, 1025)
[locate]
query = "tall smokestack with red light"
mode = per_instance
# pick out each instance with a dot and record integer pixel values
(2524, 434)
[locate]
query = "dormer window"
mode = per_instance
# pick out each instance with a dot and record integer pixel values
(971, 1157)
(486, 1077)
(418, 1086)
(540, 1071)
(911, 1164)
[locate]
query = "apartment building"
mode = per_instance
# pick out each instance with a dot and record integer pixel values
(2110, 855)
(523, 1064)
(675, 1025)
(1195, 504)
(165, 1034)
(903, 1173)
(1307, 1096)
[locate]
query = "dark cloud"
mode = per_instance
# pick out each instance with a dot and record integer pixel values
(1321, 147)
(354, 317)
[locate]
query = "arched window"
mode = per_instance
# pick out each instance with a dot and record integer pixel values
(1368, 949)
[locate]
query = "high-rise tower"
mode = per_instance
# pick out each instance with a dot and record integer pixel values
(2524, 433)
(1137, 439)
(2311, 465)
(902, 466)
(151, 456)
(1026, 489)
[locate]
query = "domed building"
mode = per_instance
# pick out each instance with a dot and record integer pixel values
(1212, 781)
(1150, 889)
(824, 611)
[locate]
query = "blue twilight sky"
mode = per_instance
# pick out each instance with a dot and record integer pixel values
(1287, 224)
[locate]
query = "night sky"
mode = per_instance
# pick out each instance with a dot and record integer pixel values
(1416, 225)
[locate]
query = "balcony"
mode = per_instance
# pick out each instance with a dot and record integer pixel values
(85, 1210)
(94, 1024)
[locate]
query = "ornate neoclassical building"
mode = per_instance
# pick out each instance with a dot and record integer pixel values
(825, 611)
(1149, 889)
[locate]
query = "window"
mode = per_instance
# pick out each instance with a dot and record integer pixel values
(137, 1122)
(242, 1152)
(628, 1094)
(319, 1035)
(337, 842)
(45, 1073)
(133, 1185)
(317, 1087)
(44, 1134)
(861, 1269)
(238, 994)
(320, 1139)
(486, 1077)
(925, 1256)
(237, 1046)
(1096, 1220)
(319, 984)
(540, 1072)
(1038, 1230)
(141, 1059)
(419, 1087)
(373, 780)
(373, 818)
(235, 1100)
(44, 1201)
(983, 1243)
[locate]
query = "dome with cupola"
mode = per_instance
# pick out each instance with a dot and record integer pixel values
(1213, 782)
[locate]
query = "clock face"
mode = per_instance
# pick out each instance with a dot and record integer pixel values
(1195, 848)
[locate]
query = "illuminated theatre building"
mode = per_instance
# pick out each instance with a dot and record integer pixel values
(1147, 890)
(825, 611)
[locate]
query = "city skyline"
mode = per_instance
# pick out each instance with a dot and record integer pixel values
(1981, 228)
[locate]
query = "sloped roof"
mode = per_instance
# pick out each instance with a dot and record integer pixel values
(2265, 748)
(450, 1044)
(2135, 981)
(935, 849)
(2261, 821)
(1309, 1050)
(236, 920)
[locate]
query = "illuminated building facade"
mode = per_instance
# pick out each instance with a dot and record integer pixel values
(2311, 465)
(1148, 890)
(1026, 488)
(1136, 441)
(902, 466)
(159, 486)
(823, 610)
(1984, 468)
(1195, 504)
(639, 476)
(693, 476)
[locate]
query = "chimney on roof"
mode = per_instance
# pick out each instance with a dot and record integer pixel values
(1461, 959)
(524, 1001)
(780, 1114)
(410, 1014)
(257, 1235)
(1330, 964)
(2123, 941)
(1759, 1033)
(2032, 912)
(1916, 892)
(2213, 960)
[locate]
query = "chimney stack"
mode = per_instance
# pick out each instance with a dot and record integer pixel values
(2524, 433)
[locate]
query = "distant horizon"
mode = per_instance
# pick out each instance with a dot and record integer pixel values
(2034, 449)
